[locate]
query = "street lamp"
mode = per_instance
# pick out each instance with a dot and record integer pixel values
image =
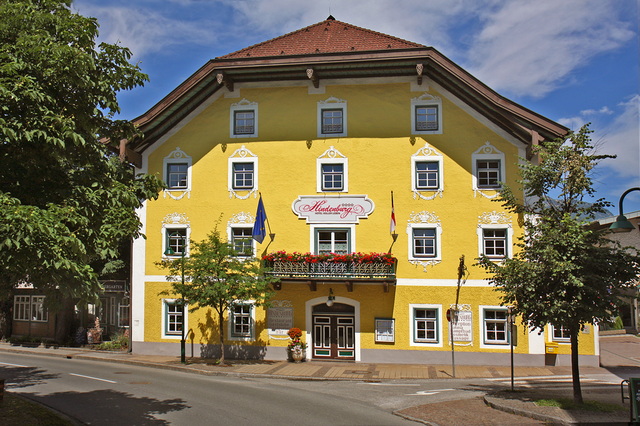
(169, 252)
(622, 224)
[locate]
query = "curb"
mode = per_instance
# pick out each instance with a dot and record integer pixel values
(493, 403)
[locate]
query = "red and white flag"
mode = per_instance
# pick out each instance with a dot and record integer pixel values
(393, 216)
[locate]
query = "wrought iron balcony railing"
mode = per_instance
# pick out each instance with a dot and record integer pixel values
(331, 269)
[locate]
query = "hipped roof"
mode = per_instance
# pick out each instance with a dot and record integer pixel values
(334, 49)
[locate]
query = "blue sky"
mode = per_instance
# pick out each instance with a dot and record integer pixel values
(573, 61)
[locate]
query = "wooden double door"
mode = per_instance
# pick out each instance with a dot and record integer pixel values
(334, 332)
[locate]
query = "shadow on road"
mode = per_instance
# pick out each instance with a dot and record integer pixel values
(22, 377)
(110, 407)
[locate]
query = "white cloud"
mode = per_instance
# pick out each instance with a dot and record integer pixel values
(146, 31)
(603, 110)
(529, 48)
(622, 137)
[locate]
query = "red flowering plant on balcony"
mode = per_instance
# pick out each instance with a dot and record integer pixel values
(283, 256)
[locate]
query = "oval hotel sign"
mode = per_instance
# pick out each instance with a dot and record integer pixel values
(333, 209)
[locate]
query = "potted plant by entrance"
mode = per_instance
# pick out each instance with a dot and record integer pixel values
(296, 348)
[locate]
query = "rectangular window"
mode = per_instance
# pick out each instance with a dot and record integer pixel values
(385, 330)
(332, 177)
(173, 317)
(176, 240)
(561, 333)
(332, 241)
(495, 326)
(177, 175)
(241, 320)
(21, 308)
(331, 121)
(426, 118)
(427, 175)
(425, 325)
(495, 243)
(488, 173)
(38, 313)
(242, 175)
(244, 122)
(424, 242)
(242, 241)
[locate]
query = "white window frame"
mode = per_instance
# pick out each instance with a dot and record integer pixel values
(243, 155)
(426, 100)
(332, 103)
(427, 154)
(438, 240)
(185, 312)
(552, 330)
(231, 239)
(487, 152)
(21, 307)
(175, 221)
(242, 220)
(332, 156)
(252, 326)
(241, 106)
(332, 227)
(38, 313)
(483, 328)
(177, 157)
(424, 220)
(495, 220)
(439, 327)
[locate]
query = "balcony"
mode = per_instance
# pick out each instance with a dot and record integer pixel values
(345, 268)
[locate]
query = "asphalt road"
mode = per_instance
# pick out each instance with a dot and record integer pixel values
(101, 393)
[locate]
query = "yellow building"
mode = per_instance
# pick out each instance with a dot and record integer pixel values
(326, 123)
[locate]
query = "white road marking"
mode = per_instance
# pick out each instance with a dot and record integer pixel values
(93, 378)
(429, 392)
(14, 365)
(390, 384)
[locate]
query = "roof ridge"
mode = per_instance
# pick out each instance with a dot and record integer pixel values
(328, 22)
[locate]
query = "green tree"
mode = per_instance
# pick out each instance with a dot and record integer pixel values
(66, 201)
(217, 277)
(565, 273)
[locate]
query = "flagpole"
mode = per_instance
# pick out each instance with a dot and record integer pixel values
(392, 229)
(271, 234)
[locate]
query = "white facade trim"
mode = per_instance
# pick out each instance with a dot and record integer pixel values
(487, 152)
(243, 155)
(431, 155)
(332, 156)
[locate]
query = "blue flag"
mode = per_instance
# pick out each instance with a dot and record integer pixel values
(259, 231)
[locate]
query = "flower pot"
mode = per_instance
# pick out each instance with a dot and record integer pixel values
(297, 356)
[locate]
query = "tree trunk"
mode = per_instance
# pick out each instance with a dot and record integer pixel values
(575, 370)
(221, 328)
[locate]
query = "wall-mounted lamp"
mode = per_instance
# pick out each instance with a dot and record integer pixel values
(331, 298)
(622, 224)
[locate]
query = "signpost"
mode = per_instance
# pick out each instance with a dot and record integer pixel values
(452, 316)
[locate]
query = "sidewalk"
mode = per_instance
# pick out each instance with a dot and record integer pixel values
(465, 412)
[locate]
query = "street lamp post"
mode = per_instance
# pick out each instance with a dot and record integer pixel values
(170, 252)
(622, 224)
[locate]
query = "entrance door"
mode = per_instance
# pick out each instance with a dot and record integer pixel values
(334, 333)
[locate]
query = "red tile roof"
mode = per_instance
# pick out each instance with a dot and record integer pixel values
(329, 36)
